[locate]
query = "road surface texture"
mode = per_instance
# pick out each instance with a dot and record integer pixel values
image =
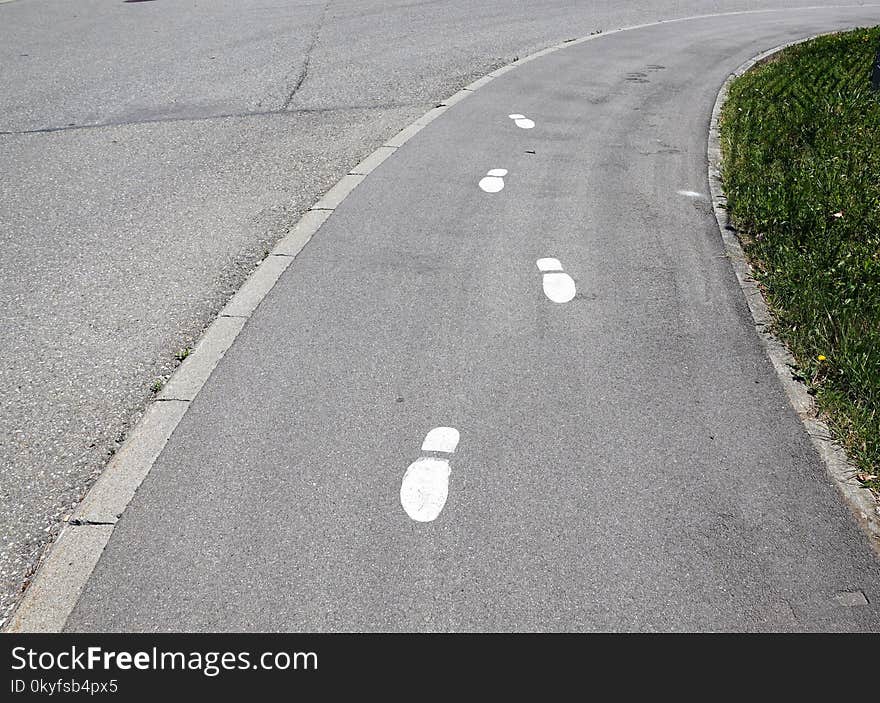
(151, 153)
(627, 459)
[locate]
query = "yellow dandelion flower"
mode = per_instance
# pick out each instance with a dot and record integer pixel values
(821, 357)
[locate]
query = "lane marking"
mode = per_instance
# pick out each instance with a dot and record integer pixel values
(493, 181)
(558, 285)
(425, 485)
(522, 121)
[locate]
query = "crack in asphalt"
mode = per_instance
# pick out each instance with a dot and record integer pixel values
(205, 118)
(304, 72)
(284, 109)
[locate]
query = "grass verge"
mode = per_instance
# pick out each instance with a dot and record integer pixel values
(800, 137)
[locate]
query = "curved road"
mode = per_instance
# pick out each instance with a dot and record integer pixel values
(627, 459)
(153, 151)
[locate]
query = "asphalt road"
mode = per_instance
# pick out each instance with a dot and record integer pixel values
(151, 152)
(627, 459)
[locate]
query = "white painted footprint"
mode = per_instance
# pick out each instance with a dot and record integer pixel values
(425, 484)
(493, 181)
(558, 286)
(522, 121)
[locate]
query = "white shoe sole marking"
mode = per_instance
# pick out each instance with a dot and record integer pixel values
(558, 286)
(425, 488)
(493, 181)
(522, 121)
(425, 485)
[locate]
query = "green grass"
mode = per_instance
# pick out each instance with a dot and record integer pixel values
(801, 143)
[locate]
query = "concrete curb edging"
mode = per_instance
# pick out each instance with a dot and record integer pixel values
(66, 566)
(838, 466)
